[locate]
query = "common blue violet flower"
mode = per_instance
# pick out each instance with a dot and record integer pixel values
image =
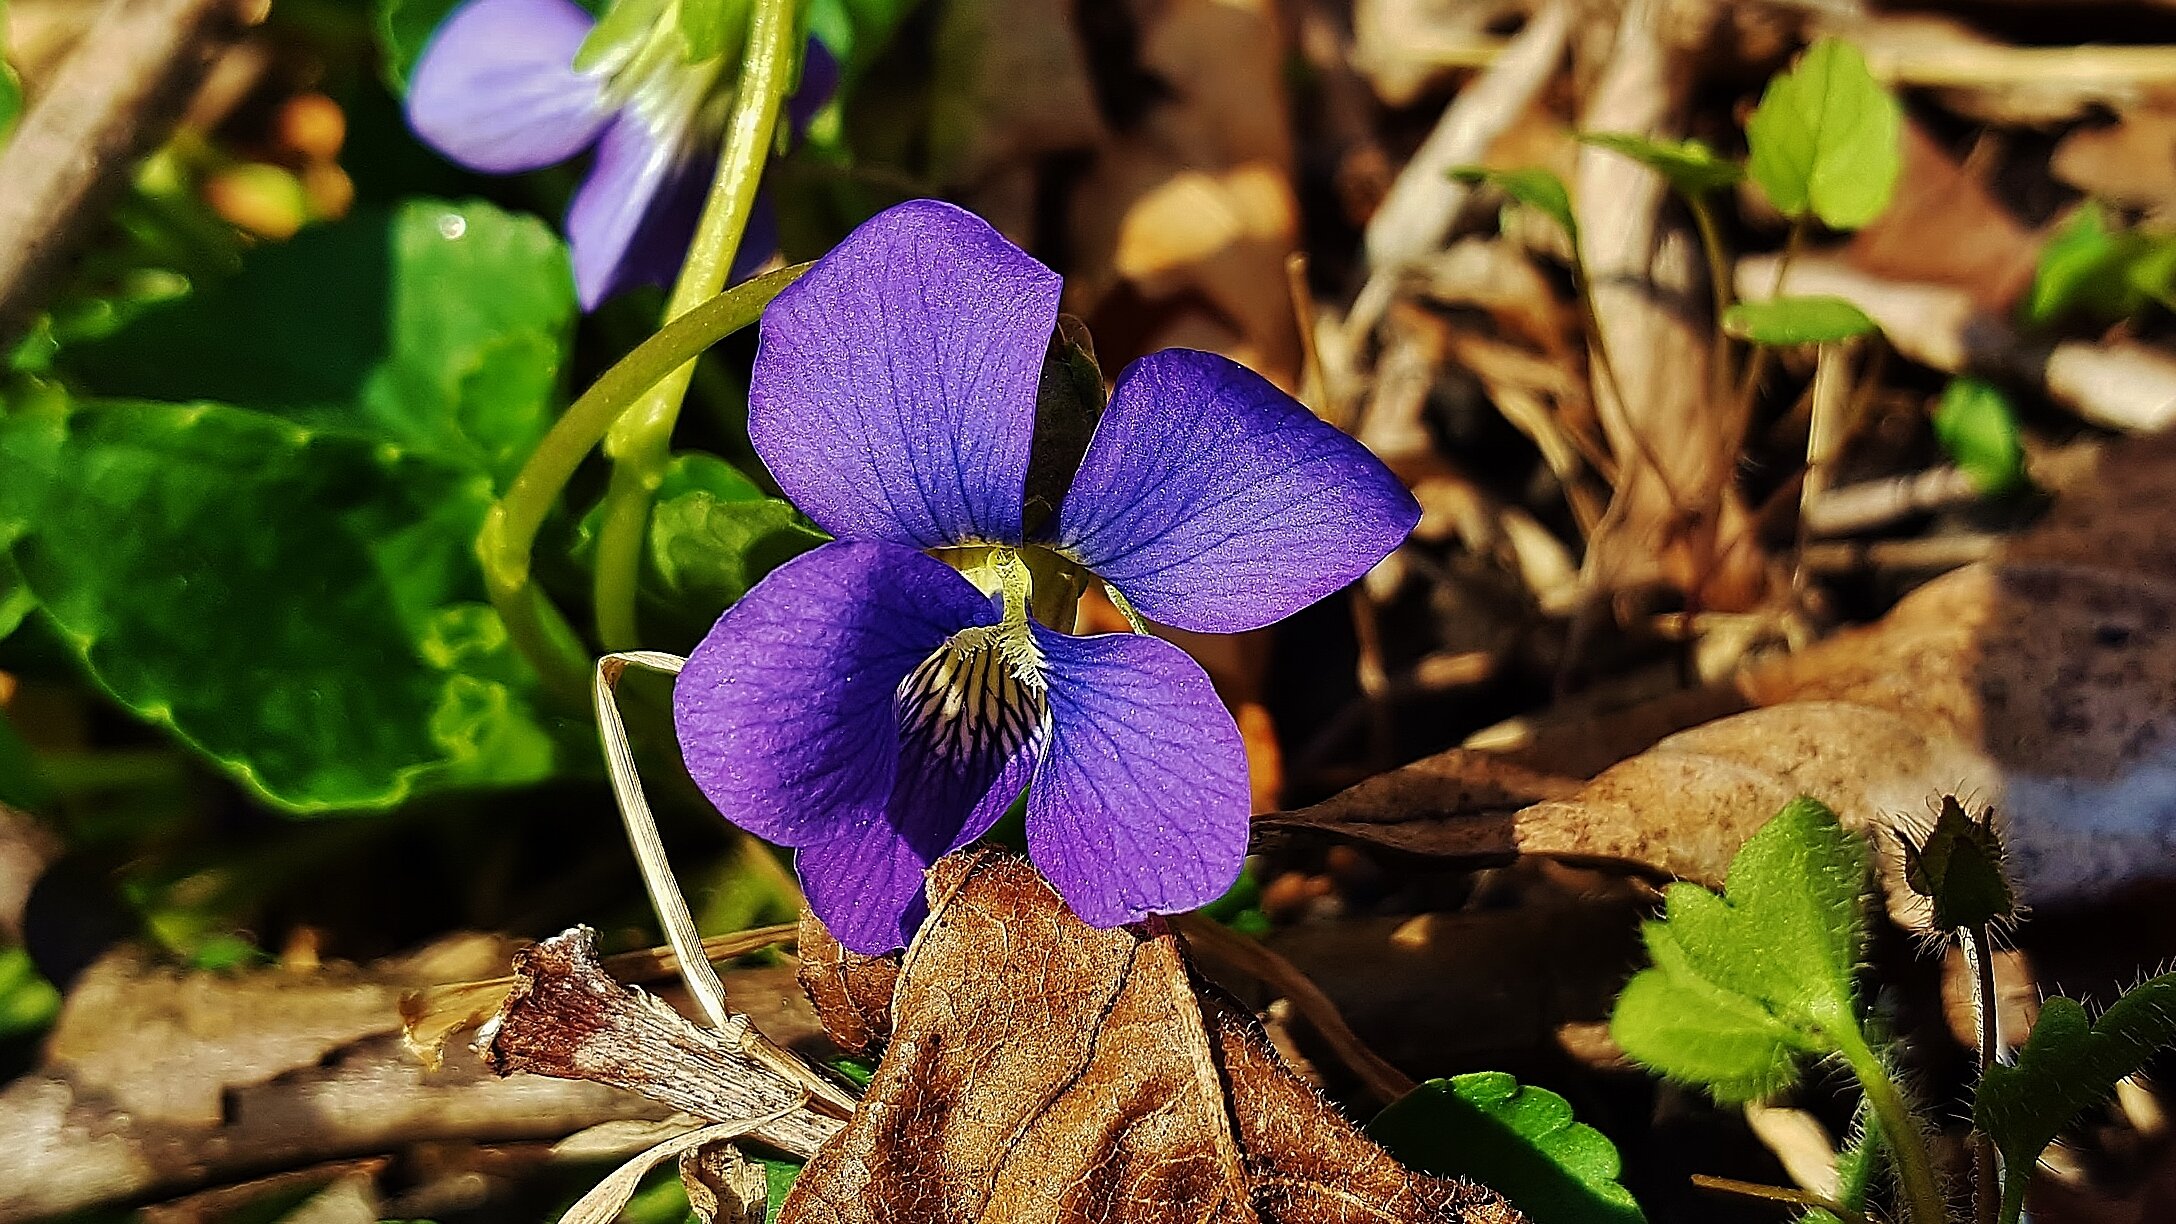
(880, 701)
(497, 89)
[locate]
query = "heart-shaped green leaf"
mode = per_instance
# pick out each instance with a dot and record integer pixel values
(1825, 139)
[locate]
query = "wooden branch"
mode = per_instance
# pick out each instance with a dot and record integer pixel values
(114, 98)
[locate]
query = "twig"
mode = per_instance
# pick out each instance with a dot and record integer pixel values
(1424, 201)
(114, 98)
(1874, 504)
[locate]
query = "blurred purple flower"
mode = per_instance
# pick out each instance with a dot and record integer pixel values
(880, 701)
(497, 90)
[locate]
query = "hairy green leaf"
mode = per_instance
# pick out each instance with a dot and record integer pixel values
(1977, 425)
(301, 605)
(1691, 166)
(1797, 320)
(1745, 983)
(438, 327)
(1518, 1140)
(2068, 1065)
(1825, 139)
(1538, 189)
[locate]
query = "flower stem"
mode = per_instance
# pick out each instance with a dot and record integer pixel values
(1900, 1130)
(510, 528)
(1987, 1019)
(640, 441)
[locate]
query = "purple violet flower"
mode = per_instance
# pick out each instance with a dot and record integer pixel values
(497, 90)
(880, 701)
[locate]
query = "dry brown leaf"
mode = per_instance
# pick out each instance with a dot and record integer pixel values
(1096, 1079)
(1945, 226)
(2043, 684)
(2131, 162)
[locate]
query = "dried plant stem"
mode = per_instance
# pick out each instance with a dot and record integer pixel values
(640, 442)
(1719, 282)
(1987, 1020)
(1775, 1194)
(696, 971)
(510, 529)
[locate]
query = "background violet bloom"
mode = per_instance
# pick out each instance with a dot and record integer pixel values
(496, 90)
(880, 701)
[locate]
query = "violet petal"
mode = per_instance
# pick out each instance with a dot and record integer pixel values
(1140, 803)
(634, 215)
(894, 391)
(495, 88)
(785, 712)
(1217, 503)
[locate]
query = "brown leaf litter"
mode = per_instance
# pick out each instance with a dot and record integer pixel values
(2042, 683)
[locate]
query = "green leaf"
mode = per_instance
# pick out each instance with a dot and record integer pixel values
(1746, 982)
(2102, 275)
(711, 28)
(779, 1176)
(301, 605)
(714, 534)
(1797, 320)
(1977, 425)
(1519, 1140)
(441, 328)
(1538, 189)
(856, 31)
(2068, 1065)
(23, 783)
(28, 1003)
(11, 87)
(1691, 166)
(1825, 139)
(16, 601)
(621, 29)
(404, 28)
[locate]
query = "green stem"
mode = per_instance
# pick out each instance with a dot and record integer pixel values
(1899, 1128)
(640, 442)
(510, 529)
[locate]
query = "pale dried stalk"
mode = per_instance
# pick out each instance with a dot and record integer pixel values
(665, 896)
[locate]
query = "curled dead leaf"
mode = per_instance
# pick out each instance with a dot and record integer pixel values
(1039, 1069)
(2042, 684)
